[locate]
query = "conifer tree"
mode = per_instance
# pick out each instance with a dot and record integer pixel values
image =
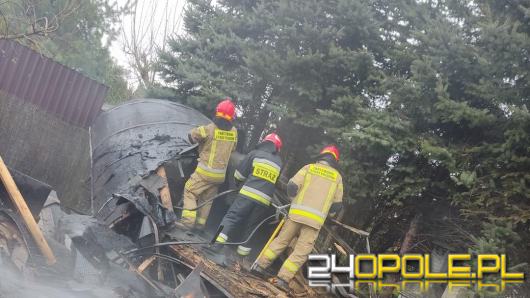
(428, 101)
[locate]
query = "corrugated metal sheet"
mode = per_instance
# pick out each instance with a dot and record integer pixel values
(57, 89)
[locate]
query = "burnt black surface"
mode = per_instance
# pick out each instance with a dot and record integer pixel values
(34, 192)
(98, 245)
(133, 139)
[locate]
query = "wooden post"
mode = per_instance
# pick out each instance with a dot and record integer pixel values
(25, 213)
(406, 246)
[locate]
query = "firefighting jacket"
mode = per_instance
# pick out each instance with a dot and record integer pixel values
(259, 170)
(319, 186)
(215, 147)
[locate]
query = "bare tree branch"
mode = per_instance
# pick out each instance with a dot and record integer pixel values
(27, 22)
(147, 32)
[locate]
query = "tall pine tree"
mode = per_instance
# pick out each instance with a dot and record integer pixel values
(427, 99)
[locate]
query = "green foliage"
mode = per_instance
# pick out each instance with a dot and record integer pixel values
(427, 99)
(78, 29)
(466, 94)
(286, 57)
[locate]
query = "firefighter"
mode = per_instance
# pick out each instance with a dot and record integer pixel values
(257, 174)
(316, 191)
(216, 141)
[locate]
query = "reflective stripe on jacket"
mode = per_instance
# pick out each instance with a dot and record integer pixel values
(259, 170)
(215, 147)
(319, 185)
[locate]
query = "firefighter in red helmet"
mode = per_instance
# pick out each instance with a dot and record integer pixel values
(257, 175)
(216, 141)
(316, 191)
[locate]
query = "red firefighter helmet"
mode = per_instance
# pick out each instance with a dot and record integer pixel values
(275, 139)
(226, 109)
(333, 150)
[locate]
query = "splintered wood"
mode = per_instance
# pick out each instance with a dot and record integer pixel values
(237, 283)
(12, 244)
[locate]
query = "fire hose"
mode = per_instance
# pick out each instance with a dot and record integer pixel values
(203, 242)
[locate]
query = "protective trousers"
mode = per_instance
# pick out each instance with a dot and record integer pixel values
(304, 245)
(242, 218)
(197, 190)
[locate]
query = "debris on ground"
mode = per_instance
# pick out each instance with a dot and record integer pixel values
(135, 165)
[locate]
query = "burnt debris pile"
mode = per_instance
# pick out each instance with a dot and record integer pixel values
(129, 245)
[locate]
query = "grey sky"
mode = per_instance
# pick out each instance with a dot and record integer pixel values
(154, 21)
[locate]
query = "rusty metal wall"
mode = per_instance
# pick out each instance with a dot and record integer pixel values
(59, 90)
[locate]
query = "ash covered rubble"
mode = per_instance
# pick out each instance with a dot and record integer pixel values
(88, 248)
(89, 254)
(128, 246)
(94, 256)
(141, 160)
(75, 273)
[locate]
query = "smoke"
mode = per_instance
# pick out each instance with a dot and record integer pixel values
(15, 284)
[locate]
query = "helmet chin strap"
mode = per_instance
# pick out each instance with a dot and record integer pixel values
(223, 123)
(329, 159)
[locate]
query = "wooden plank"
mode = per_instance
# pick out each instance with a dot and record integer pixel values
(146, 263)
(237, 283)
(25, 213)
(350, 228)
(165, 196)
